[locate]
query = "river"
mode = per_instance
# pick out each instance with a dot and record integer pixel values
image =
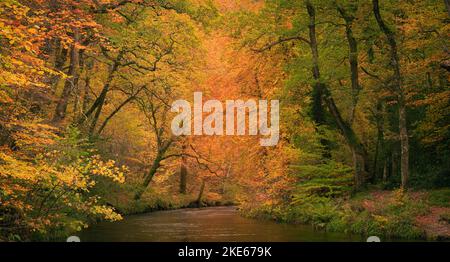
(216, 224)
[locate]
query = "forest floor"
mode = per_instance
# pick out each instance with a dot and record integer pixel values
(435, 219)
(434, 223)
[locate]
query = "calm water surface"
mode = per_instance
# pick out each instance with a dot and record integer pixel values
(221, 224)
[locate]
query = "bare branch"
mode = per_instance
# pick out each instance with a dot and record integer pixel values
(280, 41)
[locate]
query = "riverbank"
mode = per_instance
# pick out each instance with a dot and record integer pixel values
(142, 207)
(151, 202)
(388, 214)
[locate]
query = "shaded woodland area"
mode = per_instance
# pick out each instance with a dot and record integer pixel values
(86, 89)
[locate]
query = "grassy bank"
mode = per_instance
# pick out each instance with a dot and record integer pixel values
(154, 203)
(388, 214)
(121, 198)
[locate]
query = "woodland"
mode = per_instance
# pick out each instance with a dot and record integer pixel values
(86, 88)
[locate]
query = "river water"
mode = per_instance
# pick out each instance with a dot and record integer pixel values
(216, 224)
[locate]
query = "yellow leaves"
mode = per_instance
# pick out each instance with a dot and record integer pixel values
(33, 136)
(106, 212)
(5, 98)
(382, 221)
(38, 190)
(108, 169)
(16, 169)
(399, 197)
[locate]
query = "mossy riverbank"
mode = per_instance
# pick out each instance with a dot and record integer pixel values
(391, 215)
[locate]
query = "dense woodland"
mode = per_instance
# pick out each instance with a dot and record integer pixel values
(86, 88)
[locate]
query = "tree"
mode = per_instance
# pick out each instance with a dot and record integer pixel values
(321, 95)
(397, 85)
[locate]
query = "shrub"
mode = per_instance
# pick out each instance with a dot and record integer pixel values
(50, 195)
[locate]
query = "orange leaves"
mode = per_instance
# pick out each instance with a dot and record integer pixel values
(5, 98)
(20, 64)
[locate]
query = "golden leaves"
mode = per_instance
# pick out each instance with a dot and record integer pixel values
(107, 169)
(38, 189)
(106, 212)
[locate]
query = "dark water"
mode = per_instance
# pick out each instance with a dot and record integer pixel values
(221, 224)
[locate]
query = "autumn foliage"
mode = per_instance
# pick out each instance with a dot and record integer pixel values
(86, 88)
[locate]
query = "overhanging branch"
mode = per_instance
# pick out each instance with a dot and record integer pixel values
(280, 41)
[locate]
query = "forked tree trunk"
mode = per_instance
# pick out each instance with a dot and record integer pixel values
(119, 108)
(356, 147)
(99, 102)
(360, 158)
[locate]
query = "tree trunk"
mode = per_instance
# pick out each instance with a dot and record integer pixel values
(447, 5)
(117, 110)
(61, 107)
(318, 114)
(359, 153)
(77, 90)
(395, 61)
(87, 87)
(358, 150)
(96, 116)
(98, 103)
(200, 194)
(394, 168)
(183, 171)
(60, 53)
(149, 177)
(317, 93)
(404, 143)
(60, 60)
(353, 59)
(375, 160)
(113, 113)
(155, 166)
(380, 151)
